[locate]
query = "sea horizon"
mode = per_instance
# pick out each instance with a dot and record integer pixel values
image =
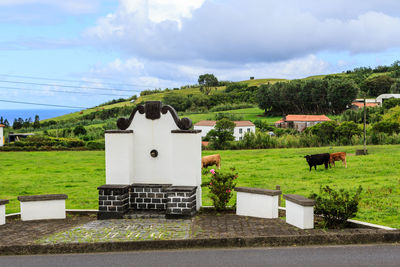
(11, 114)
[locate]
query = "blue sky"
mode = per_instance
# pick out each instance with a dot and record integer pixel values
(145, 44)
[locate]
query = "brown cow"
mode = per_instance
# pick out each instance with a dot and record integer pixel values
(336, 157)
(211, 160)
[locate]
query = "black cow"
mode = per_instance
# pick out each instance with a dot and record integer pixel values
(318, 159)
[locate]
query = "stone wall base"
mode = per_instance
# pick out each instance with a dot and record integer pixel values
(115, 201)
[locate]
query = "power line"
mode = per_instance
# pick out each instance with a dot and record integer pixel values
(60, 91)
(68, 80)
(70, 86)
(40, 104)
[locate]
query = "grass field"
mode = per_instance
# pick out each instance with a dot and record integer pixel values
(79, 173)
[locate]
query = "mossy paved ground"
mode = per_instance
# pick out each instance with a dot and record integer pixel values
(205, 225)
(123, 230)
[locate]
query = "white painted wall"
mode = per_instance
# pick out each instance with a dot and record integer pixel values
(257, 205)
(2, 214)
(42, 210)
(204, 129)
(299, 216)
(128, 158)
(1, 136)
(119, 158)
(239, 132)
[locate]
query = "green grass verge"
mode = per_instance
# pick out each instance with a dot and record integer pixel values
(78, 174)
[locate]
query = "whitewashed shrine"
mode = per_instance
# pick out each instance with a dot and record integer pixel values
(153, 163)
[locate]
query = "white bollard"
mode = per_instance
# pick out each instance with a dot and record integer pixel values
(3, 203)
(257, 202)
(299, 211)
(42, 207)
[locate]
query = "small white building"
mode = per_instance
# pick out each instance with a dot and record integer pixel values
(381, 98)
(241, 127)
(1, 135)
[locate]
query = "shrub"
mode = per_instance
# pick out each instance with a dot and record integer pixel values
(229, 116)
(79, 130)
(221, 186)
(388, 127)
(336, 207)
(95, 145)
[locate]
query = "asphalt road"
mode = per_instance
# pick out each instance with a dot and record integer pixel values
(367, 255)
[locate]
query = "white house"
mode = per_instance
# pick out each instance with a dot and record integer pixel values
(241, 127)
(381, 98)
(1, 135)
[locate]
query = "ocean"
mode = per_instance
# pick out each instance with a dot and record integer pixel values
(11, 114)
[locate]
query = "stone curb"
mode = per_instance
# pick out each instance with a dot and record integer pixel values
(267, 241)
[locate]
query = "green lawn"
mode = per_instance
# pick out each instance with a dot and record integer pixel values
(79, 173)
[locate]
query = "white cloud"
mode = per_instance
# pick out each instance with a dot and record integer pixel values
(250, 31)
(150, 74)
(70, 6)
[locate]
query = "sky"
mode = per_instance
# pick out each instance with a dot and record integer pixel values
(81, 53)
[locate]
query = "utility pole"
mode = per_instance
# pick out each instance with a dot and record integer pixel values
(365, 128)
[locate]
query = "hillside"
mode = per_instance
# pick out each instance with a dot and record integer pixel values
(159, 96)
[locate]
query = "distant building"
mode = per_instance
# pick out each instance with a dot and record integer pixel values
(300, 122)
(241, 127)
(381, 98)
(358, 104)
(12, 137)
(2, 134)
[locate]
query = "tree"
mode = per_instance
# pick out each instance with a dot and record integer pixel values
(18, 123)
(179, 102)
(206, 81)
(377, 85)
(36, 123)
(79, 130)
(395, 88)
(222, 134)
(346, 130)
(361, 74)
(396, 69)
(325, 131)
(341, 92)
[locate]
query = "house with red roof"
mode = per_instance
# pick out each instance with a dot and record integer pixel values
(2, 134)
(241, 127)
(300, 122)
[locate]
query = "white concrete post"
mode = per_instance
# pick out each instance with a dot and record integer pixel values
(3, 203)
(257, 202)
(42, 207)
(299, 211)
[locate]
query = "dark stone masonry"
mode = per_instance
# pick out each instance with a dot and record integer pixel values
(148, 196)
(181, 201)
(113, 201)
(175, 201)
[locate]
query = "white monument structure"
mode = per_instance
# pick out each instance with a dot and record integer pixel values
(153, 163)
(1, 135)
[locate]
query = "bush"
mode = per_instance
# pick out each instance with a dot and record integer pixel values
(221, 186)
(231, 106)
(229, 116)
(388, 127)
(79, 130)
(336, 207)
(95, 145)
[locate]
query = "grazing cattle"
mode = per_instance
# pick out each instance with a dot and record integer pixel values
(336, 157)
(318, 159)
(211, 160)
